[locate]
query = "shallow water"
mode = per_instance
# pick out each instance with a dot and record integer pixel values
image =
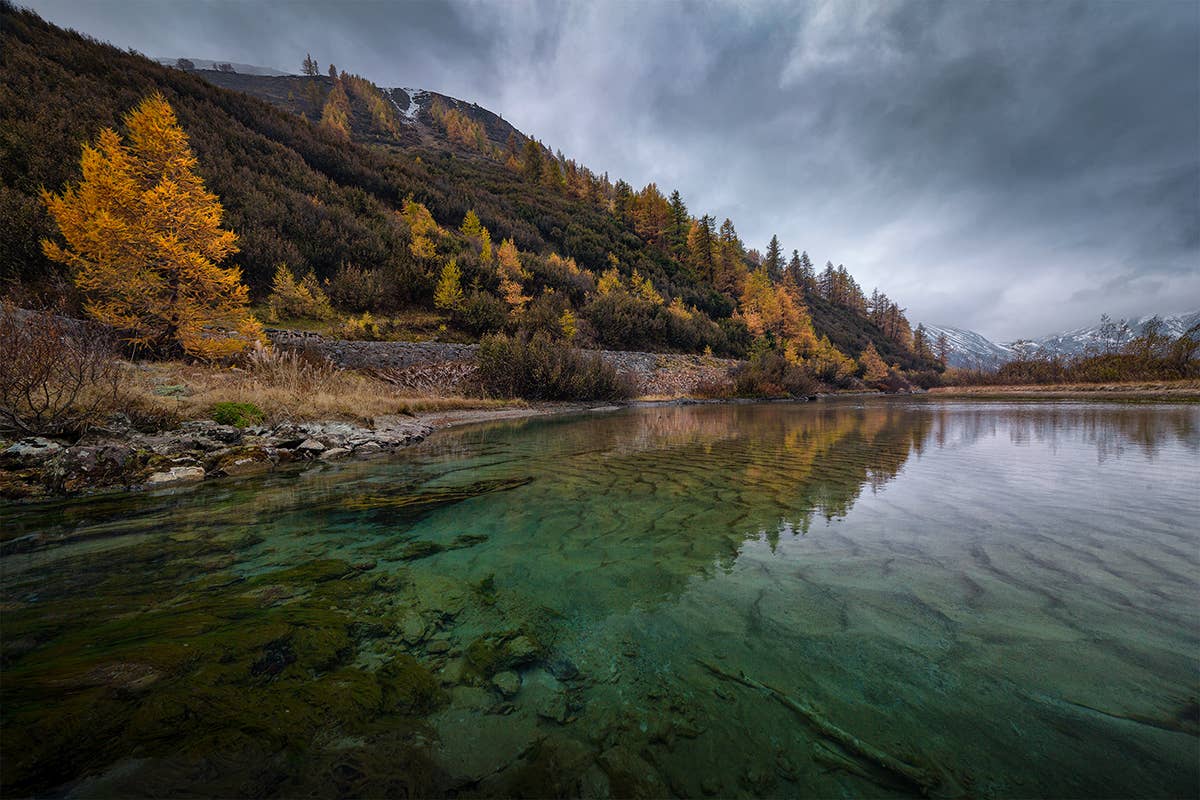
(882, 597)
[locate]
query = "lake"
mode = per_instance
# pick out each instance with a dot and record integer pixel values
(882, 597)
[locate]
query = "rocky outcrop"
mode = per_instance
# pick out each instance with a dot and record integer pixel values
(196, 451)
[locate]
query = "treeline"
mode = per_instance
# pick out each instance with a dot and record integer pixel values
(379, 230)
(1154, 355)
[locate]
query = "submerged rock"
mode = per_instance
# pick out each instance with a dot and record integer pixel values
(412, 628)
(507, 683)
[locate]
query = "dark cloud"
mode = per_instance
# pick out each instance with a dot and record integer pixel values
(1012, 167)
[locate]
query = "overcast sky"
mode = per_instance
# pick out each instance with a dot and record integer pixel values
(1014, 168)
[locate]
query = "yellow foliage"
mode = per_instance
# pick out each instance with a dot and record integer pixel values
(610, 281)
(422, 247)
(643, 288)
(485, 246)
(335, 116)
(569, 326)
(873, 367)
(449, 294)
(680, 310)
(290, 299)
(471, 227)
(144, 239)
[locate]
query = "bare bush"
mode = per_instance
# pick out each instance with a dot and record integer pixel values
(57, 376)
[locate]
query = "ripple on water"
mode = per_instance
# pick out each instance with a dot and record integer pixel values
(879, 597)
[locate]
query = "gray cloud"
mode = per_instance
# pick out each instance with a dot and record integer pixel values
(1014, 167)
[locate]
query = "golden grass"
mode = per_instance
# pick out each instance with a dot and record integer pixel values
(178, 391)
(1179, 389)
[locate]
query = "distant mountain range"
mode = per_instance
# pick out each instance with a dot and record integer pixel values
(971, 349)
(208, 63)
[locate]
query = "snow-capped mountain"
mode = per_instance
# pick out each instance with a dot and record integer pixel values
(971, 349)
(968, 348)
(1079, 340)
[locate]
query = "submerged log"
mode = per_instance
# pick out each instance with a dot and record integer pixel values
(922, 779)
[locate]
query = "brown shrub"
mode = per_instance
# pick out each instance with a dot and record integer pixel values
(57, 376)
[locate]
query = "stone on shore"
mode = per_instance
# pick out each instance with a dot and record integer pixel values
(176, 475)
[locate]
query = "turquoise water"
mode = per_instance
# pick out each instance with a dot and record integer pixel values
(883, 597)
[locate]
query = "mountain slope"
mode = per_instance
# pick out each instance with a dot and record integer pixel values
(973, 350)
(1075, 342)
(326, 196)
(968, 349)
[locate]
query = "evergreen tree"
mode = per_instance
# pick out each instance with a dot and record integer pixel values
(700, 243)
(792, 273)
(679, 226)
(532, 161)
(144, 241)
(309, 67)
(808, 276)
(774, 260)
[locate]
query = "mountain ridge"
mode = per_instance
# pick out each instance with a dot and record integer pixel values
(970, 349)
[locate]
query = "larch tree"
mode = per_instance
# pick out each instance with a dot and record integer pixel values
(143, 239)
(448, 296)
(309, 66)
(873, 367)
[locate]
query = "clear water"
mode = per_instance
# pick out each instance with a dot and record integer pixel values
(861, 598)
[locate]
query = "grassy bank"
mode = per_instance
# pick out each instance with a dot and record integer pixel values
(1174, 391)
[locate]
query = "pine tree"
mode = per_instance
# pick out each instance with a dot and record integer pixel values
(792, 273)
(700, 243)
(678, 226)
(808, 276)
(532, 161)
(309, 67)
(143, 239)
(774, 260)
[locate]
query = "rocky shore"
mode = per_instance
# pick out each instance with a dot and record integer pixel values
(127, 460)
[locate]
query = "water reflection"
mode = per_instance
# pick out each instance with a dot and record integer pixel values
(1001, 596)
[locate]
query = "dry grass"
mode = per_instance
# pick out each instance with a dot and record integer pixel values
(286, 390)
(1188, 389)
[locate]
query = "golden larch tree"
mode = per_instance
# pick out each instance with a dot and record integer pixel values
(144, 241)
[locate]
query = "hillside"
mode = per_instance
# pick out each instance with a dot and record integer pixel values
(314, 171)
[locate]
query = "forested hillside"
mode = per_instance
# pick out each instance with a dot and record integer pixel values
(391, 202)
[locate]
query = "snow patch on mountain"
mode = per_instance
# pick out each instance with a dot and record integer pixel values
(968, 348)
(974, 350)
(413, 108)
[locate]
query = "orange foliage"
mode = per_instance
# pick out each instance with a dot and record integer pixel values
(144, 239)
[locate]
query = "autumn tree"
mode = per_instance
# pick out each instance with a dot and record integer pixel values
(511, 276)
(143, 239)
(290, 299)
(448, 296)
(873, 367)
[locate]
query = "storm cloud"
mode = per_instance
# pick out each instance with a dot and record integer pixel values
(1015, 168)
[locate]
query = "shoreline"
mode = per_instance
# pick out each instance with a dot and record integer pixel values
(35, 469)
(1185, 391)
